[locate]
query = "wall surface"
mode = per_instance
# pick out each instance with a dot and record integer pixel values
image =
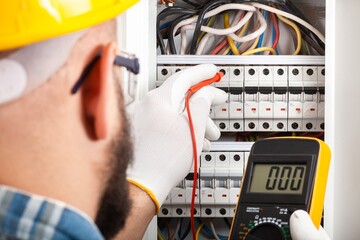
(342, 118)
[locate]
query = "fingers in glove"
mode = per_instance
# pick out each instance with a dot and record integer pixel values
(212, 132)
(212, 96)
(302, 227)
(188, 78)
(206, 145)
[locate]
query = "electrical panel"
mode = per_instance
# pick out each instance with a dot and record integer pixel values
(276, 88)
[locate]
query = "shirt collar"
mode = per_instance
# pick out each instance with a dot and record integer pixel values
(29, 216)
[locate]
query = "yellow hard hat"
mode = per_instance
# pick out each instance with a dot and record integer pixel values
(23, 22)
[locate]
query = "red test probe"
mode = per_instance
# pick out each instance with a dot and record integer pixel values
(190, 92)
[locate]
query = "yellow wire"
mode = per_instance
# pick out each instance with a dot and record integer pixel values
(159, 236)
(241, 33)
(297, 30)
(199, 229)
(229, 39)
(262, 49)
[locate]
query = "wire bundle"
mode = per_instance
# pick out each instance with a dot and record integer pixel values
(242, 36)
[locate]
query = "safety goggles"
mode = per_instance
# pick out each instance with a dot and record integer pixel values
(123, 59)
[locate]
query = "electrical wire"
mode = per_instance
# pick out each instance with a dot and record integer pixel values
(213, 230)
(229, 39)
(202, 44)
(253, 46)
(219, 47)
(262, 35)
(292, 17)
(209, 232)
(190, 92)
(297, 31)
(164, 14)
(180, 228)
(292, 7)
(176, 230)
(171, 42)
(254, 34)
(200, 19)
(194, 4)
(187, 231)
(203, 41)
(277, 31)
(241, 33)
(199, 229)
(187, 24)
(210, 31)
(227, 222)
(229, 31)
(159, 235)
(208, 24)
(256, 50)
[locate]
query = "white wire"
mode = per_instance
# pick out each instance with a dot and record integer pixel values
(225, 31)
(231, 6)
(213, 231)
(202, 43)
(176, 229)
(292, 17)
(205, 38)
(258, 32)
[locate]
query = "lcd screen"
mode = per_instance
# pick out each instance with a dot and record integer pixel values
(278, 178)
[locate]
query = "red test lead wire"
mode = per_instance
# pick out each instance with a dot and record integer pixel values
(190, 92)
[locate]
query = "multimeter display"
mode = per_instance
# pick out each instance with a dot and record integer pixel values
(278, 178)
(282, 176)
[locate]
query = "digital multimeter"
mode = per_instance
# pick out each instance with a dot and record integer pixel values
(282, 176)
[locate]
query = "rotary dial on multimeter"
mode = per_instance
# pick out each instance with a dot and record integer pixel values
(282, 176)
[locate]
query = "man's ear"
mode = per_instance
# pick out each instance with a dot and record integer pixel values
(97, 91)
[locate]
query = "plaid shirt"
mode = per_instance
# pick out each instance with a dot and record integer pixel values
(25, 216)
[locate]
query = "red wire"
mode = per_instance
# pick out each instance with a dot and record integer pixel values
(219, 47)
(191, 91)
(193, 139)
(277, 31)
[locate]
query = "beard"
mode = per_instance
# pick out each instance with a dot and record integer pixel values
(115, 203)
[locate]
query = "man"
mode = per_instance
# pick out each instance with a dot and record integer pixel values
(75, 147)
(65, 139)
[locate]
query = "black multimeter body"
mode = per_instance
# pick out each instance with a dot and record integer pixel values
(279, 180)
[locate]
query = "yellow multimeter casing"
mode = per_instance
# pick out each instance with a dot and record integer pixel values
(269, 194)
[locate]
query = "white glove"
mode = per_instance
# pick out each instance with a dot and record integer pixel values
(302, 227)
(162, 147)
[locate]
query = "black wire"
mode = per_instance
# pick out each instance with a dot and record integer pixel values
(306, 33)
(228, 223)
(211, 5)
(164, 14)
(171, 32)
(296, 11)
(194, 4)
(187, 231)
(313, 44)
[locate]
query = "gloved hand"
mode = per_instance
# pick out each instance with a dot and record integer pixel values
(162, 147)
(302, 227)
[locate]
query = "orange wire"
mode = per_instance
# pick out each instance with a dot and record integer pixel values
(273, 17)
(191, 91)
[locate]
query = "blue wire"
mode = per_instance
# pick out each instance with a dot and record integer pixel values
(165, 25)
(262, 35)
(180, 228)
